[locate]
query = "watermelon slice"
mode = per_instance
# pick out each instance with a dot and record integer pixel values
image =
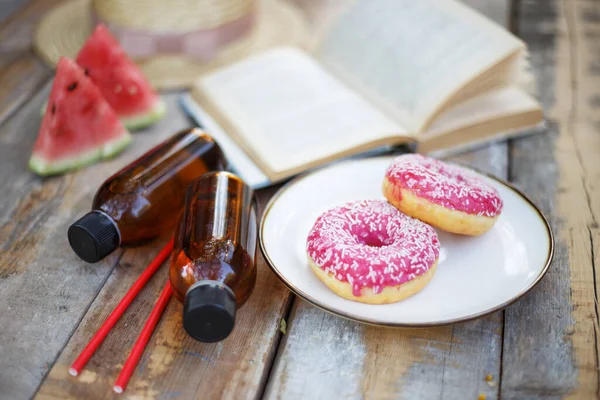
(120, 80)
(79, 127)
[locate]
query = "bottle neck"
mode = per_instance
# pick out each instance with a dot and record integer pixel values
(210, 282)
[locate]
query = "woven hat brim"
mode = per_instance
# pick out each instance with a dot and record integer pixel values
(64, 29)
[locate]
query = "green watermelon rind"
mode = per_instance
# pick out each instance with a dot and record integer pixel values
(156, 113)
(108, 150)
(138, 122)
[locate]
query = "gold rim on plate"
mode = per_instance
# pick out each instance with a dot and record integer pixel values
(352, 317)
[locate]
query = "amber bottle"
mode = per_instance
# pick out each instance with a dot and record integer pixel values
(213, 269)
(145, 199)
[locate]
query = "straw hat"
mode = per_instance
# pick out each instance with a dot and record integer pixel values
(174, 41)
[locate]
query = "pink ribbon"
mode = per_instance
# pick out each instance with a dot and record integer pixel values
(201, 44)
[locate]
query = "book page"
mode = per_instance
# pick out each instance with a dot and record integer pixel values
(289, 111)
(238, 160)
(497, 114)
(497, 103)
(412, 56)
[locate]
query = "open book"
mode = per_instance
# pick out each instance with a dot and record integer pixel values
(431, 72)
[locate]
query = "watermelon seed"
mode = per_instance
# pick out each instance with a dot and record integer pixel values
(72, 86)
(53, 109)
(86, 72)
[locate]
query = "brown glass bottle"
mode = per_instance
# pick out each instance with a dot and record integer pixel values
(145, 199)
(213, 268)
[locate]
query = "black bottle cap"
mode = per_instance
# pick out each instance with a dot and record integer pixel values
(209, 311)
(94, 236)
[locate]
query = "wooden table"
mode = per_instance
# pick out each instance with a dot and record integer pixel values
(543, 347)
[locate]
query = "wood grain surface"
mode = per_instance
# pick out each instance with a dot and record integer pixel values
(21, 73)
(8, 7)
(174, 365)
(543, 347)
(551, 341)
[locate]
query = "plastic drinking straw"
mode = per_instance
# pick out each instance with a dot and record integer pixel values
(112, 319)
(142, 341)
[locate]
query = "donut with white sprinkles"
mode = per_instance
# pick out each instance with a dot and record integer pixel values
(444, 195)
(370, 252)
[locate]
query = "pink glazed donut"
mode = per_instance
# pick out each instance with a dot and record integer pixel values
(370, 252)
(443, 195)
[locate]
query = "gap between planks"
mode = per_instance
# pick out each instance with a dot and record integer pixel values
(574, 49)
(573, 114)
(561, 359)
(292, 299)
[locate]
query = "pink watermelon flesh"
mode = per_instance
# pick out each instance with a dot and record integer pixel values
(79, 127)
(120, 80)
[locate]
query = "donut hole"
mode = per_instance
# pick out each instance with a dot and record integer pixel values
(373, 241)
(370, 234)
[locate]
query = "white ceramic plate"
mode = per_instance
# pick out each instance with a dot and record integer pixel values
(475, 275)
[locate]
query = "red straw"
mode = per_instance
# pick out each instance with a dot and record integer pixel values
(142, 341)
(112, 319)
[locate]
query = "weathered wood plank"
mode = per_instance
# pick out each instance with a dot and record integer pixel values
(7, 7)
(551, 336)
(324, 356)
(16, 32)
(21, 72)
(21, 75)
(174, 364)
(44, 288)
